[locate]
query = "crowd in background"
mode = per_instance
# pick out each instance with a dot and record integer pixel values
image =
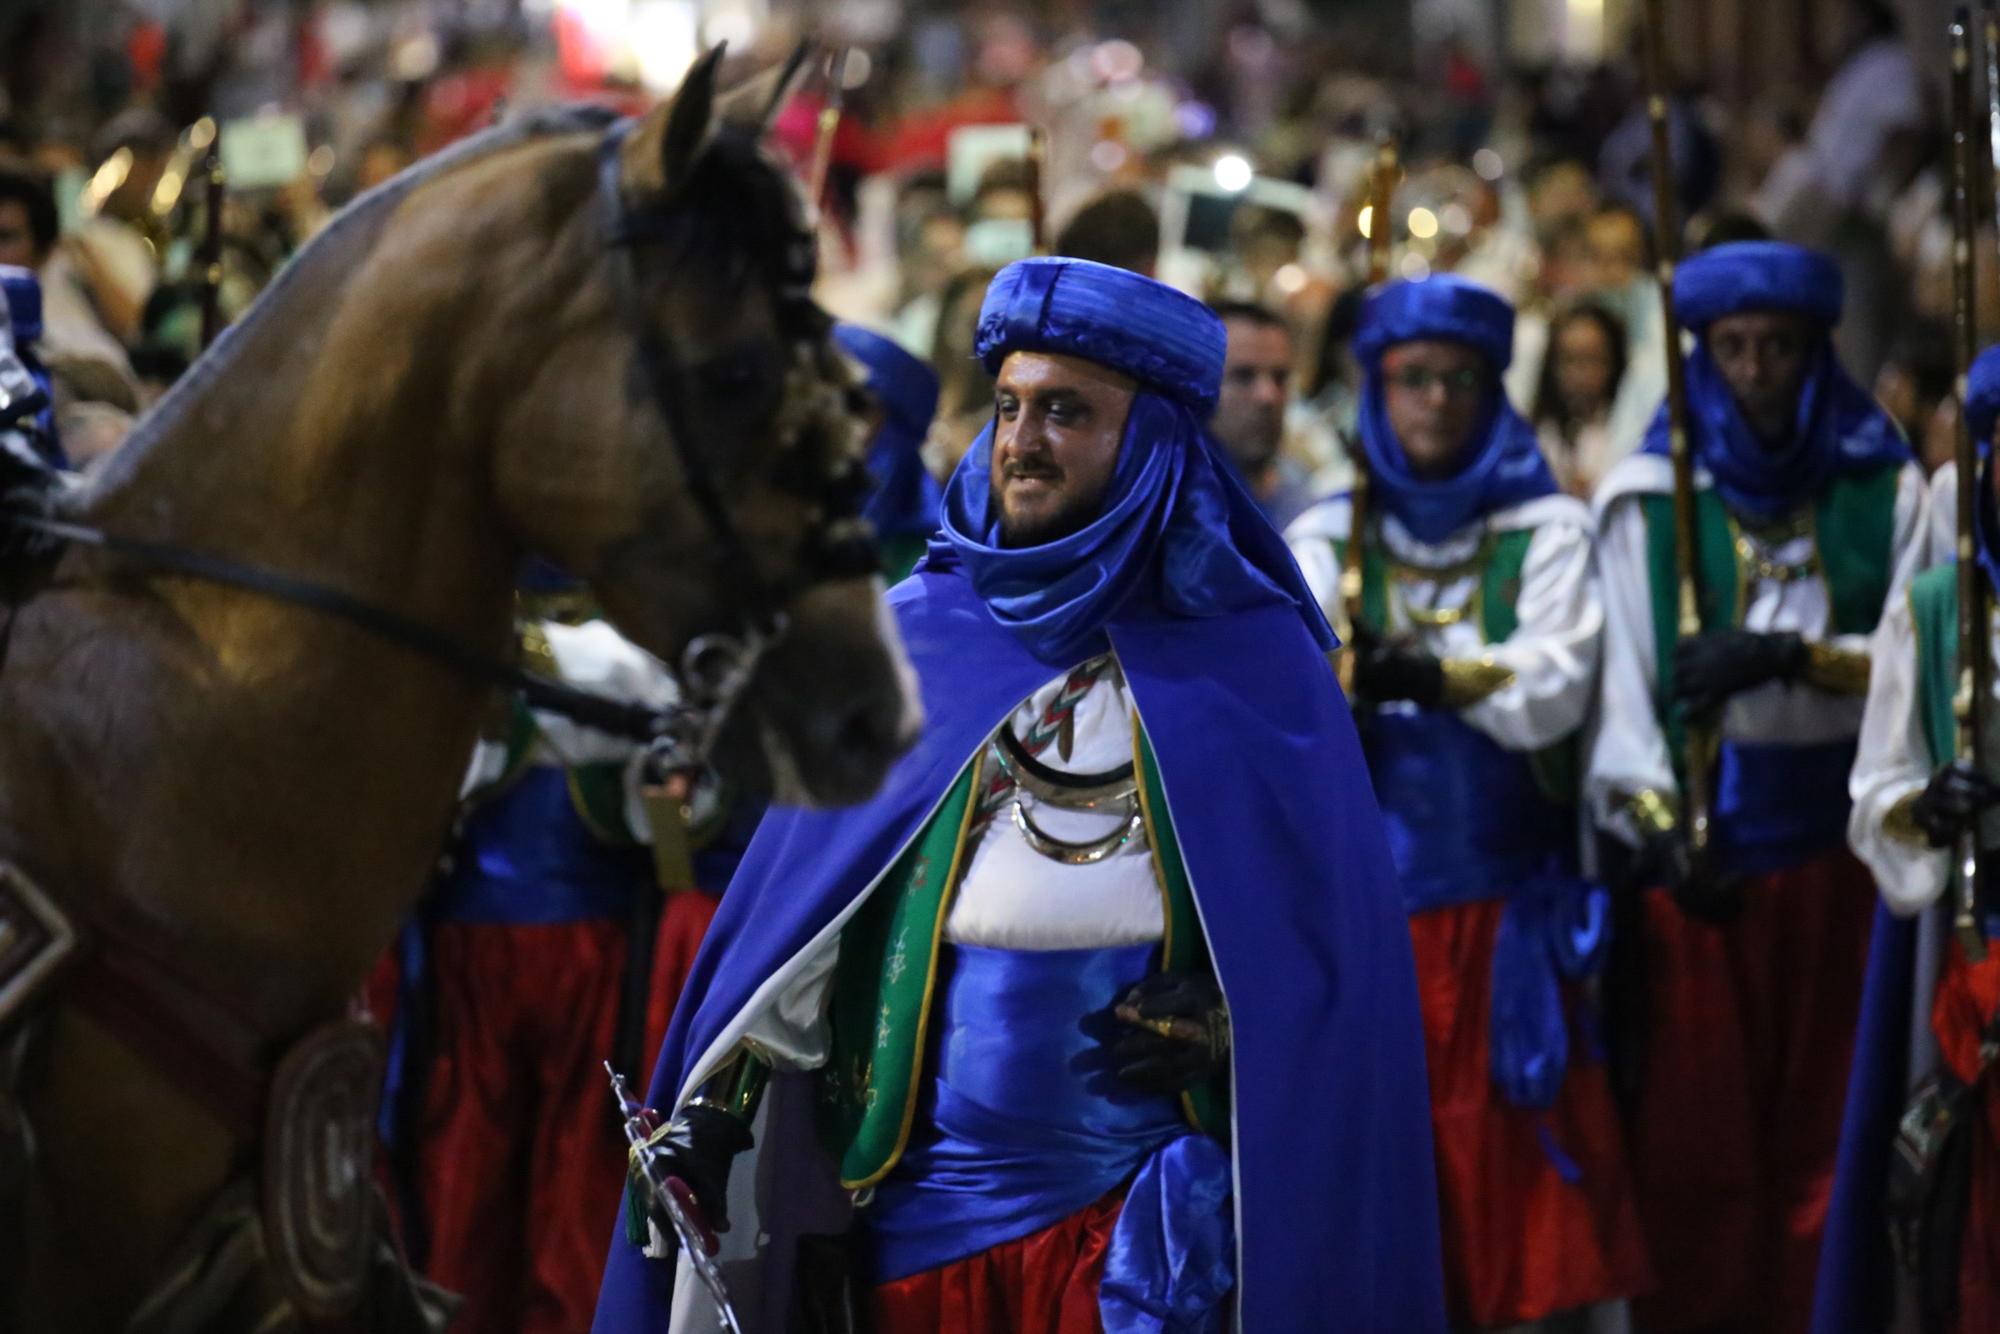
(1228, 153)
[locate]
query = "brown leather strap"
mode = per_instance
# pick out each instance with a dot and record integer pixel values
(189, 1027)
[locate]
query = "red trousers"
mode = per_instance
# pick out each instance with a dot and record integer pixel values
(519, 1162)
(1968, 995)
(1043, 1283)
(1520, 1242)
(1750, 1032)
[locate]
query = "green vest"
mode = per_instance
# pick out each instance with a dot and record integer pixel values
(900, 555)
(1934, 614)
(884, 989)
(1859, 506)
(1557, 768)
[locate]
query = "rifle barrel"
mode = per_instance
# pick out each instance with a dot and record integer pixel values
(1974, 653)
(1700, 743)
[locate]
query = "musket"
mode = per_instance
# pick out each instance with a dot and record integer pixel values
(1974, 650)
(1353, 568)
(208, 256)
(639, 1124)
(1699, 739)
(829, 123)
(1038, 161)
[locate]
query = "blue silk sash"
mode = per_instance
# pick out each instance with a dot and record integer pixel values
(1468, 823)
(528, 859)
(1778, 805)
(1025, 1124)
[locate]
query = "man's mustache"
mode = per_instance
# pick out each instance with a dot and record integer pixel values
(1030, 468)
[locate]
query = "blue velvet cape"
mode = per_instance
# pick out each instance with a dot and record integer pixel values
(1337, 1198)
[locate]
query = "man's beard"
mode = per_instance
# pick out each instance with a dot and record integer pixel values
(1073, 513)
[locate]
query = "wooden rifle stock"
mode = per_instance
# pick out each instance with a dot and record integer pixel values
(1974, 650)
(1700, 738)
(1038, 161)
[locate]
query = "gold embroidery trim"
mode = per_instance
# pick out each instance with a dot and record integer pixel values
(1470, 680)
(1900, 822)
(1651, 812)
(1838, 671)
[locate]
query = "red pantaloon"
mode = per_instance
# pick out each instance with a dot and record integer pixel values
(1750, 1033)
(1043, 1283)
(1520, 1242)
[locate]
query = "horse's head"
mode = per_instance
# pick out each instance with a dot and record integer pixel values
(690, 443)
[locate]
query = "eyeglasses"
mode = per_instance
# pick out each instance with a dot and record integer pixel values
(1418, 380)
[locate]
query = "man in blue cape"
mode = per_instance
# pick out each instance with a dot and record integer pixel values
(1476, 667)
(1808, 519)
(904, 504)
(1928, 1007)
(1104, 1004)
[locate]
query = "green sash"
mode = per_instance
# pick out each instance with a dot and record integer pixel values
(1934, 614)
(1860, 507)
(884, 988)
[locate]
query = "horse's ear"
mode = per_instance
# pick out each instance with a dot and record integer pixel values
(755, 102)
(657, 156)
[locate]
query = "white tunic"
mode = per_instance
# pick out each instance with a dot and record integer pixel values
(1011, 896)
(1553, 651)
(1894, 763)
(1628, 752)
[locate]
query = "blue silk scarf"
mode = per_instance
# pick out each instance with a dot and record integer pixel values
(1507, 468)
(1839, 428)
(1177, 532)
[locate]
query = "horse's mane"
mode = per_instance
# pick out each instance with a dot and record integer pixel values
(329, 245)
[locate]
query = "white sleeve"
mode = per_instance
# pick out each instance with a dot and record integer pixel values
(1553, 651)
(794, 1031)
(595, 657)
(1944, 514)
(1311, 537)
(1628, 751)
(1891, 763)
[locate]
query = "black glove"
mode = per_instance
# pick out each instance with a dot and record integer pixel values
(1393, 669)
(1666, 860)
(1175, 1033)
(699, 1146)
(1715, 664)
(1952, 801)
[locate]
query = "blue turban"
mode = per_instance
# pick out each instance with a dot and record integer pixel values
(1506, 468)
(1838, 426)
(1445, 307)
(1982, 397)
(1757, 275)
(1177, 533)
(1166, 340)
(905, 500)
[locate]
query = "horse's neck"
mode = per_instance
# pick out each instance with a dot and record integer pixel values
(270, 780)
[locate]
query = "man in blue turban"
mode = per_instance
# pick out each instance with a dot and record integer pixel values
(1914, 796)
(904, 504)
(1104, 1005)
(1477, 665)
(1808, 520)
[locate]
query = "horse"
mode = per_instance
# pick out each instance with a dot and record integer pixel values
(563, 337)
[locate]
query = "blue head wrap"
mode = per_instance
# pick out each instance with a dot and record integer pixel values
(1756, 275)
(1177, 530)
(905, 501)
(1506, 468)
(1838, 427)
(1982, 397)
